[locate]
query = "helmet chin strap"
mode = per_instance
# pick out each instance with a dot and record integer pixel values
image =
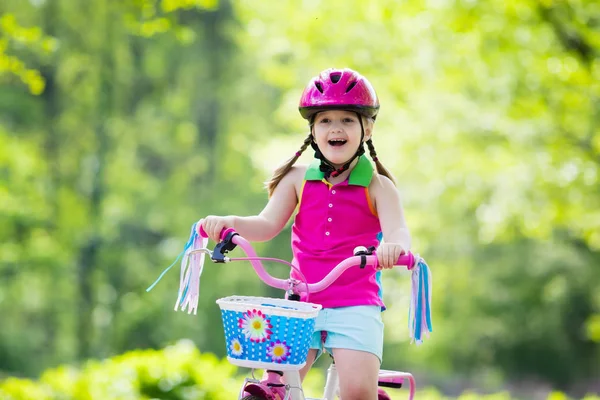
(327, 167)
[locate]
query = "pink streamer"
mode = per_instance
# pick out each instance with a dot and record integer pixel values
(189, 279)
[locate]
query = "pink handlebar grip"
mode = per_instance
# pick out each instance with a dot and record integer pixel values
(203, 233)
(407, 259)
(201, 230)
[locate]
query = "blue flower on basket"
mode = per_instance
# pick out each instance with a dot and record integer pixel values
(255, 325)
(236, 347)
(278, 351)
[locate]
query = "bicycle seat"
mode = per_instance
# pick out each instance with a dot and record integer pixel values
(392, 379)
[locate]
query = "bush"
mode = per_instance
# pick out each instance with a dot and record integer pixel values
(177, 372)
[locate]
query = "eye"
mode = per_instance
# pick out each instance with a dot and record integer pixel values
(325, 120)
(348, 120)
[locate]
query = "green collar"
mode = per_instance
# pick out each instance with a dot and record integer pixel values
(360, 176)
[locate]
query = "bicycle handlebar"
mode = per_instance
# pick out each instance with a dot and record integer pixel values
(193, 259)
(407, 260)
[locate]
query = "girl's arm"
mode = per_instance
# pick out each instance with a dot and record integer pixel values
(272, 218)
(391, 215)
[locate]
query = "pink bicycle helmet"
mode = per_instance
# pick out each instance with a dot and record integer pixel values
(339, 89)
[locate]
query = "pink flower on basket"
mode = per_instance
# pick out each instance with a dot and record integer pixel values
(278, 351)
(236, 347)
(255, 326)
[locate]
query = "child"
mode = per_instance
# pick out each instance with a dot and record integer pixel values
(341, 204)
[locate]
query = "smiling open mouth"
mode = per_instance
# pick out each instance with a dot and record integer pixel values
(337, 142)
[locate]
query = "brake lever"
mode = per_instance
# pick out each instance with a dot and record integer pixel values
(222, 248)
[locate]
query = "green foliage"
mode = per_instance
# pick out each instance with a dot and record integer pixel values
(149, 18)
(14, 36)
(177, 372)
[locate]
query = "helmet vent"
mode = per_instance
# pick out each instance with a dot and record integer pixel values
(318, 86)
(335, 77)
(350, 86)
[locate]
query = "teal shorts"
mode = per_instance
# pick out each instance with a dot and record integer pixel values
(354, 328)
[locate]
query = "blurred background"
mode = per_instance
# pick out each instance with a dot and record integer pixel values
(122, 122)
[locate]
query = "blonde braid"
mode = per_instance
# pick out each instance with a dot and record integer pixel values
(286, 167)
(380, 168)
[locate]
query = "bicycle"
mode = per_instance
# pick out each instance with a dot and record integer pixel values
(263, 333)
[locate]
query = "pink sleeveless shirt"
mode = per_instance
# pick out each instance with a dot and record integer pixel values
(331, 221)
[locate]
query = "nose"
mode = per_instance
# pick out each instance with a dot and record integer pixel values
(335, 127)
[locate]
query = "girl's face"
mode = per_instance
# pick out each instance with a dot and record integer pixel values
(337, 133)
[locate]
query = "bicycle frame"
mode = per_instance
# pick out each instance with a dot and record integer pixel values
(191, 270)
(293, 386)
(291, 377)
(294, 390)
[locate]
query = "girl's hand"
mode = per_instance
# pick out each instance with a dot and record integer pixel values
(213, 226)
(387, 255)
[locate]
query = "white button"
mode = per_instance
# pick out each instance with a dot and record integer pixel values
(330, 205)
(333, 192)
(328, 219)
(327, 233)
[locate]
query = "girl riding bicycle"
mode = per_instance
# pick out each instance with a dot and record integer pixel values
(342, 203)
